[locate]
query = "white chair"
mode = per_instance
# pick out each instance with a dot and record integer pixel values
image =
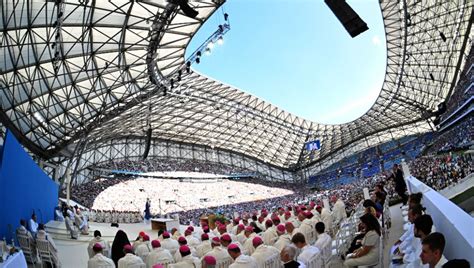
(166, 263)
(273, 262)
(224, 263)
(315, 262)
(28, 248)
(46, 254)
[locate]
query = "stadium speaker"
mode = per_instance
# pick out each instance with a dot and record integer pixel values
(186, 8)
(147, 143)
(114, 224)
(347, 16)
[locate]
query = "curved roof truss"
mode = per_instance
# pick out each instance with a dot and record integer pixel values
(79, 69)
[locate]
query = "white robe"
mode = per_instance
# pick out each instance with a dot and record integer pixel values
(170, 244)
(219, 253)
(307, 253)
(244, 261)
(263, 253)
(327, 219)
(143, 250)
(192, 241)
(204, 248)
(248, 246)
(283, 240)
(130, 261)
(100, 240)
(270, 236)
(158, 255)
(187, 262)
(33, 227)
(324, 244)
(339, 211)
(100, 261)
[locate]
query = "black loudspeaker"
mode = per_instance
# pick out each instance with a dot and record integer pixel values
(114, 224)
(347, 16)
(147, 143)
(186, 8)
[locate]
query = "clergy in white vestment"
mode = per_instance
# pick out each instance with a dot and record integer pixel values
(21, 230)
(248, 246)
(98, 239)
(130, 260)
(209, 262)
(290, 229)
(99, 260)
(187, 260)
(306, 228)
(270, 235)
(283, 238)
(324, 241)
(338, 210)
(192, 241)
(263, 252)
(204, 247)
(158, 255)
(307, 251)
(240, 235)
(144, 248)
(183, 242)
(240, 260)
(42, 235)
(169, 244)
(326, 217)
(33, 225)
(218, 251)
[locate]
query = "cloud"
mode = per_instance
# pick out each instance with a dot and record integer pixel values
(351, 110)
(376, 40)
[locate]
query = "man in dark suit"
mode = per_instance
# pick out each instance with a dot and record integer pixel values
(400, 185)
(287, 256)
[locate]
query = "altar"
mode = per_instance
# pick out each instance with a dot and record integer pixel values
(164, 224)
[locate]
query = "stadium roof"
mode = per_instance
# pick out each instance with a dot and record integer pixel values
(79, 70)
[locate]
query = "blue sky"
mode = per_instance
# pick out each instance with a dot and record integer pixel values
(296, 55)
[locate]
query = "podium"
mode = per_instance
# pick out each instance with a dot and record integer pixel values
(164, 224)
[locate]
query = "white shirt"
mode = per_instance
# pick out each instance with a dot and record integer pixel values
(307, 253)
(100, 261)
(407, 238)
(244, 261)
(441, 262)
(33, 226)
(129, 261)
(158, 255)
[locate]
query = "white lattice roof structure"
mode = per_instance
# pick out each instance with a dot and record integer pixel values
(78, 70)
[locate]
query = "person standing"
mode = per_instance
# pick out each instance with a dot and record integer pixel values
(147, 216)
(400, 185)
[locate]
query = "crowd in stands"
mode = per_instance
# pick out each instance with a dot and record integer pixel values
(170, 164)
(463, 90)
(439, 172)
(458, 137)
